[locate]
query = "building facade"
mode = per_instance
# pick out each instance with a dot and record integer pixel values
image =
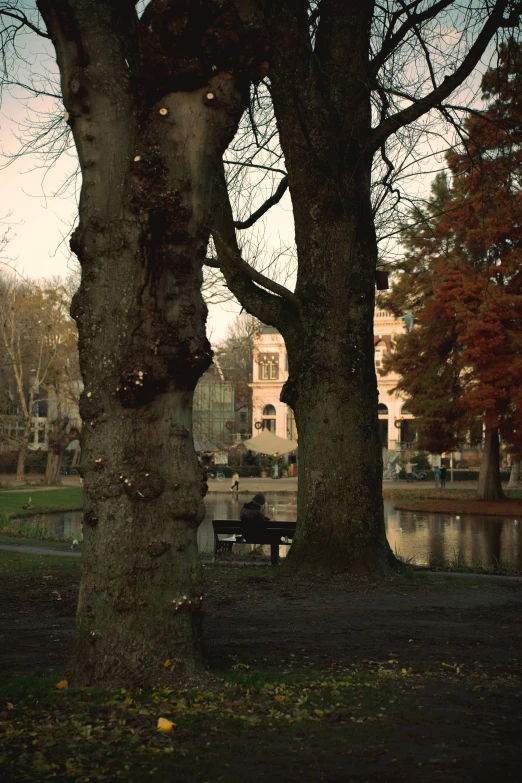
(270, 371)
(214, 411)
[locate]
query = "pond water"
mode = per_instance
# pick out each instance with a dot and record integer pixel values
(423, 538)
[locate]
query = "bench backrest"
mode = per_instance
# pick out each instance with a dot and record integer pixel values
(222, 526)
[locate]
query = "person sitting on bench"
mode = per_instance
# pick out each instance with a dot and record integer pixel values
(253, 522)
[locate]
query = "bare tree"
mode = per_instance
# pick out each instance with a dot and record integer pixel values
(31, 347)
(350, 84)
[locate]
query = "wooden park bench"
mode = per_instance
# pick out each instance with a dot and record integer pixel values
(232, 529)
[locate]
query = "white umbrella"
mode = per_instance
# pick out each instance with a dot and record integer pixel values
(268, 443)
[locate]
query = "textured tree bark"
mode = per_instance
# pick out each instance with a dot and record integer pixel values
(332, 385)
(489, 484)
(53, 467)
(150, 129)
(332, 388)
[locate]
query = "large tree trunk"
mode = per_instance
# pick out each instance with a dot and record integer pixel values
(149, 149)
(514, 477)
(53, 467)
(333, 389)
(323, 113)
(489, 484)
(332, 383)
(141, 320)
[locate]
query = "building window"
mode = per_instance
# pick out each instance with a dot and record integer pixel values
(242, 417)
(382, 408)
(269, 418)
(378, 357)
(268, 366)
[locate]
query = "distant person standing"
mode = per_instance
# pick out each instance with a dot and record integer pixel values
(436, 475)
(235, 482)
(397, 474)
(409, 472)
(443, 476)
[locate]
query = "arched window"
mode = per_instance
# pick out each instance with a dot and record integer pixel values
(269, 418)
(405, 411)
(382, 408)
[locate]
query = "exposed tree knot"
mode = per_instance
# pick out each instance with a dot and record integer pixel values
(135, 388)
(90, 518)
(91, 405)
(184, 603)
(158, 548)
(143, 486)
(93, 636)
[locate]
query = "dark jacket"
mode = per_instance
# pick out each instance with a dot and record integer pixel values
(251, 519)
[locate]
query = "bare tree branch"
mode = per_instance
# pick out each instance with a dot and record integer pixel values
(273, 308)
(391, 40)
(263, 209)
(450, 83)
(11, 12)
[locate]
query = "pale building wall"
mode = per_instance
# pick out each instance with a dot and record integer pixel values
(267, 391)
(386, 326)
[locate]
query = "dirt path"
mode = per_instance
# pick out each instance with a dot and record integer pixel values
(433, 618)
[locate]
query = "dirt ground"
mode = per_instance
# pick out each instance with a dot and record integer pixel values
(468, 722)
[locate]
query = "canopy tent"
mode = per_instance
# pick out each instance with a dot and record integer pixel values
(268, 443)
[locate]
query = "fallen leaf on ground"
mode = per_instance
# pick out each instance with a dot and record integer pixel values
(165, 725)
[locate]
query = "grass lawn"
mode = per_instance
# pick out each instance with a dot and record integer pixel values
(299, 724)
(13, 564)
(26, 540)
(66, 499)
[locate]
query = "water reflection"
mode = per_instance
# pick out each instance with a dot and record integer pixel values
(424, 538)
